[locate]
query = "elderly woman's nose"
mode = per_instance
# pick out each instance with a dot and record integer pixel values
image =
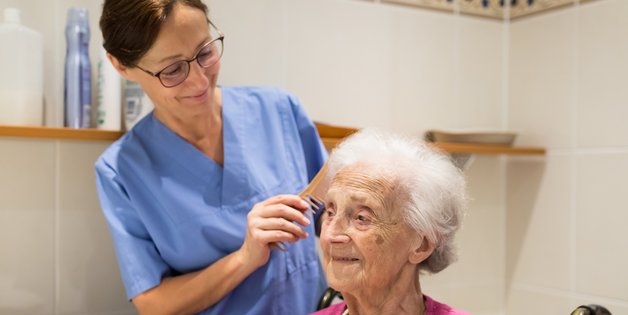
(335, 231)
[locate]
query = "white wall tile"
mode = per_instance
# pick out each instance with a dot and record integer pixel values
(424, 70)
(479, 270)
(538, 224)
(255, 48)
(542, 79)
(603, 73)
(20, 190)
(525, 301)
(27, 169)
(482, 227)
(338, 60)
(480, 74)
(478, 299)
(601, 234)
(27, 264)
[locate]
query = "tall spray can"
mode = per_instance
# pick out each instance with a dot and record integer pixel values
(78, 94)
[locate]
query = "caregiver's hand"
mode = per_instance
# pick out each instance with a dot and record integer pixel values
(275, 219)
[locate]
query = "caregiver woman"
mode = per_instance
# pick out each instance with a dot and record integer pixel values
(197, 193)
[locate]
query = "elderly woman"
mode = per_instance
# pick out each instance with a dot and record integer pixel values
(393, 208)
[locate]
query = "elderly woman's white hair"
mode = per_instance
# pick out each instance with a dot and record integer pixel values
(430, 187)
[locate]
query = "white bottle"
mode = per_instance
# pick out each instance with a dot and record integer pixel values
(136, 104)
(109, 97)
(22, 79)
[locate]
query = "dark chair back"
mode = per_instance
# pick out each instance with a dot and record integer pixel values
(327, 298)
(591, 309)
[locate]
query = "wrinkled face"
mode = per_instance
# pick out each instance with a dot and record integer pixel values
(182, 35)
(364, 240)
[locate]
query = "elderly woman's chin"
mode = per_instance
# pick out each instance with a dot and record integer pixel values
(343, 275)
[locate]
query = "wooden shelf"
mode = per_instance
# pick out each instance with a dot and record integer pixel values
(59, 133)
(485, 149)
(330, 135)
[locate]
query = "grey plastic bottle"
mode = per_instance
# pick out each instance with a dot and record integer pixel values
(77, 94)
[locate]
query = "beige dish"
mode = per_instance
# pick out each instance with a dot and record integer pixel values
(499, 138)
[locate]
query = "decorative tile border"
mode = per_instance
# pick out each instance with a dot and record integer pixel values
(496, 9)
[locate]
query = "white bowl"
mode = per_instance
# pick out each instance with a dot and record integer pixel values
(499, 138)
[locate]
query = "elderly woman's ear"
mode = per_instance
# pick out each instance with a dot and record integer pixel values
(421, 251)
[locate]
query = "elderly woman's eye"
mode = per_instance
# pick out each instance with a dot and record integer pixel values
(329, 210)
(363, 219)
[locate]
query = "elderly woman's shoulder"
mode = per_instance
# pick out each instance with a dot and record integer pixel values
(335, 309)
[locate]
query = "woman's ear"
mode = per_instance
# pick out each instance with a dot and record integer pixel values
(421, 251)
(122, 70)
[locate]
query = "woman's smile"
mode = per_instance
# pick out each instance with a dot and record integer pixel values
(201, 97)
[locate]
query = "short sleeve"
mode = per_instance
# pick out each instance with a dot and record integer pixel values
(141, 266)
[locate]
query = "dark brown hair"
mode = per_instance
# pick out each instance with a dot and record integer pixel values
(130, 27)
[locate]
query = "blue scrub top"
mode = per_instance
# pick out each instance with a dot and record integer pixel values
(172, 210)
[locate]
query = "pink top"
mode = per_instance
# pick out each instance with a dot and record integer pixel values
(432, 307)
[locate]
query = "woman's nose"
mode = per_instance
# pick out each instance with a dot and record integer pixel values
(335, 231)
(197, 76)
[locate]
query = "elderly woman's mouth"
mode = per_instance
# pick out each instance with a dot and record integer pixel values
(344, 259)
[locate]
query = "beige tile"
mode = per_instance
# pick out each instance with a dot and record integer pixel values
(529, 301)
(27, 226)
(89, 280)
(603, 68)
(28, 169)
(478, 299)
(423, 71)
(603, 73)
(542, 79)
(479, 271)
(601, 255)
(480, 240)
(254, 52)
(480, 74)
(27, 264)
(338, 59)
(538, 222)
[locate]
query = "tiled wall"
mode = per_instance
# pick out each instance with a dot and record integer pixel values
(566, 213)
(56, 253)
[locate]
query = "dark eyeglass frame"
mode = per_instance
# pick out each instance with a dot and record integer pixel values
(188, 61)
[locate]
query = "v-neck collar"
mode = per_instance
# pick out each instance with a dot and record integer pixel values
(233, 175)
(183, 152)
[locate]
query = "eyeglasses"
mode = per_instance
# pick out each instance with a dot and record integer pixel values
(207, 56)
